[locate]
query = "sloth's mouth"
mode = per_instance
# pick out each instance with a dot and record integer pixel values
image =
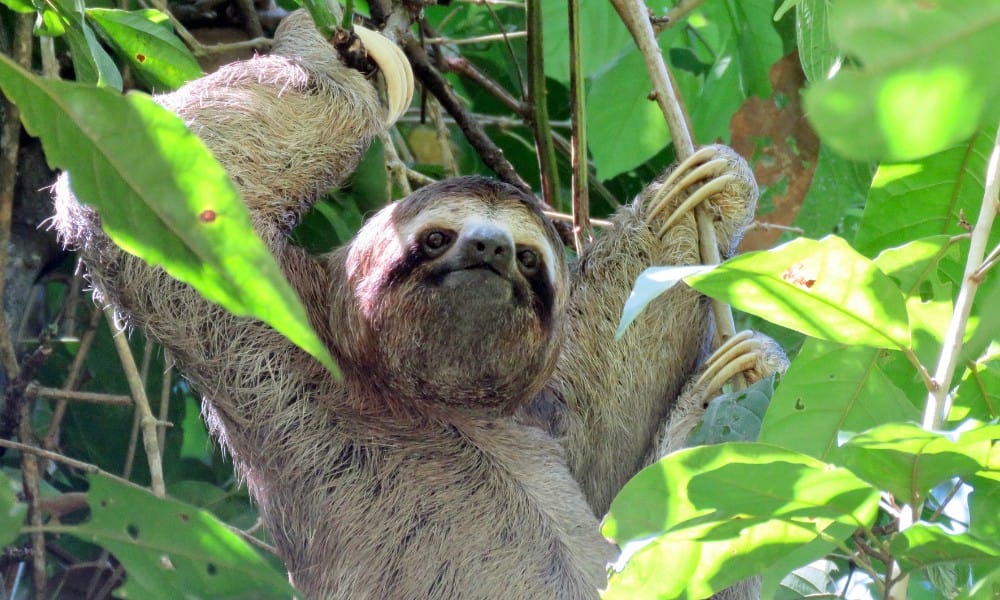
(484, 267)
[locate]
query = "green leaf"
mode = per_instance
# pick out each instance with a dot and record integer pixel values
(617, 102)
(839, 186)
(748, 506)
(978, 396)
(174, 550)
(19, 6)
(146, 40)
(908, 461)
(922, 545)
(11, 511)
(830, 387)
(926, 78)
(734, 417)
(603, 38)
(758, 45)
(161, 195)
(650, 284)
(817, 53)
(821, 288)
(925, 197)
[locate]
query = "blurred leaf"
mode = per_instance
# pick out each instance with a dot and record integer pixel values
(827, 388)
(146, 40)
(603, 38)
(91, 63)
(925, 197)
(923, 544)
(984, 502)
(908, 461)
(11, 511)
(812, 579)
(173, 550)
(19, 6)
(822, 288)
(926, 78)
(161, 195)
(734, 417)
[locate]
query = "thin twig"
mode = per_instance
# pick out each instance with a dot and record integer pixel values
(635, 15)
(394, 167)
(35, 390)
(86, 342)
(482, 39)
(674, 15)
(579, 188)
(462, 66)
(30, 476)
(443, 137)
(489, 152)
(147, 421)
(161, 430)
(538, 99)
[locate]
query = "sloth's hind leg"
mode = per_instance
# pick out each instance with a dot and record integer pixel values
(748, 352)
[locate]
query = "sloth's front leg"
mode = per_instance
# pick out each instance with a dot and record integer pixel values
(715, 176)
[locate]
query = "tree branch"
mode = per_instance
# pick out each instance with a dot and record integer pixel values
(537, 98)
(579, 187)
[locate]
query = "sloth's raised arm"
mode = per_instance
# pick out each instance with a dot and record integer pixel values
(616, 393)
(287, 127)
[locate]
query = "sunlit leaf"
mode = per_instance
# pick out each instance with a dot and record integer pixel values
(908, 461)
(145, 39)
(734, 417)
(817, 53)
(925, 79)
(821, 288)
(161, 195)
(922, 545)
(648, 286)
(978, 396)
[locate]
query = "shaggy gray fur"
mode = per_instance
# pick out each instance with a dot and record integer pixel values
(392, 483)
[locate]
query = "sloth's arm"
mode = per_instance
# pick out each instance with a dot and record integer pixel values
(617, 393)
(286, 127)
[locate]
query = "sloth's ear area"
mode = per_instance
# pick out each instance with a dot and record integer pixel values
(395, 70)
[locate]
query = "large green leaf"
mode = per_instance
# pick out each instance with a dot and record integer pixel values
(925, 77)
(926, 197)
(816, 51)
(91, 62)
(145, 39)
(828, 388)
(174, 550)
(821, 288)
(746, 506)
(978, 396)
(161, 195)
(908, 461)
(838, 190)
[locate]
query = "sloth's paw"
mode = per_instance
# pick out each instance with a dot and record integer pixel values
(715, 176)
(749, 352)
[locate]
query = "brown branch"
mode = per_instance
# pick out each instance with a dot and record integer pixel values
(35, 391)
(462, 66)
(635, 15)
(10, 137)
(436, 84)
(538, 99)
(674, 15)
(86, 342)
(579, 187)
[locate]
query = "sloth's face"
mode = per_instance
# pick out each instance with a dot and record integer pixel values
(462, 285)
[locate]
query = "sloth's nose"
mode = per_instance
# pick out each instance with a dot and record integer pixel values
(489, 244)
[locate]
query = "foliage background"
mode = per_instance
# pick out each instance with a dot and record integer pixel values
(873, 121)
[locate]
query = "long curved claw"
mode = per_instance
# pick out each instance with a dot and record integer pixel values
(702, 194)
(395, 70)
(710, 169)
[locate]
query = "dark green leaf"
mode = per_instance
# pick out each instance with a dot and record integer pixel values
(174, 550)
(838, 187)
(734, 417)
(817, 53)
(821, 288)
(153, 182)
(11, 512)
(146, 40)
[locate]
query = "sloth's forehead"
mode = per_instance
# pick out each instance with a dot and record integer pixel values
(457, 213)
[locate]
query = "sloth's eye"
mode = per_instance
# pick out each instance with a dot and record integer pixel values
(435, 242)
(528, 260)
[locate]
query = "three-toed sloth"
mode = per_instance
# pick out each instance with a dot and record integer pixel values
(486, 416)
